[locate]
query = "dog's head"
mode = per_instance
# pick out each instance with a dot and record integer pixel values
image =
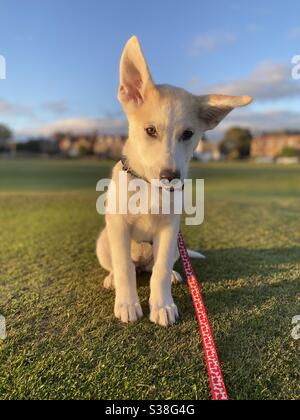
(165, 122)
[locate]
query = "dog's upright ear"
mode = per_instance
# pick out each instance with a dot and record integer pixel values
(135, 77)
(212, 109)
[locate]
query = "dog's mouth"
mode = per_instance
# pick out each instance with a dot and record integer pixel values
(170, 186)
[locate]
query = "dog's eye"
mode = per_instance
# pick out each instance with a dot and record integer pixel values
(186, 135)
(151, 131)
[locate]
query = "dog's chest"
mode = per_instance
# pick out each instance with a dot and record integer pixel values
(143, 227)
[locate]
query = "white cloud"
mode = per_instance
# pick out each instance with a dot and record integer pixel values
(268, 81)
(268, 120)
(211, 42)
(80, 125)
(259, 121)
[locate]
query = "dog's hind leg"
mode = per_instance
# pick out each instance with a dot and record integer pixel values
(104, 257)
(142, 256)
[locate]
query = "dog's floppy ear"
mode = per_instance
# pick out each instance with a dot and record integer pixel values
(214, 108)
(135, 77)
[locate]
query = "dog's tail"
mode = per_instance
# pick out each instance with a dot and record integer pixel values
(196, 255)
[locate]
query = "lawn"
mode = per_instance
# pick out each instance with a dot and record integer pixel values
(63, 341)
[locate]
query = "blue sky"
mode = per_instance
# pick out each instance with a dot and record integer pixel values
(63, 56)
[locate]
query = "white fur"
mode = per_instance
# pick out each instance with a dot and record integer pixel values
(196, 255)
(149, 242)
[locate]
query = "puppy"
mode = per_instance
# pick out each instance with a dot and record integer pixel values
(165, 126)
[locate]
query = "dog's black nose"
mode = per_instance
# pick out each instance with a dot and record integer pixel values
(169, 174)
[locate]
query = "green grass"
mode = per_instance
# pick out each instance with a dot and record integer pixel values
(63, 341)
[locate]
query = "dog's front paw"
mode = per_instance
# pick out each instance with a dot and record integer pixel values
(127, 312)
(164, 315)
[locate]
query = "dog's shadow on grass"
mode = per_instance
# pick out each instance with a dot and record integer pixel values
(236, 263)
(240, 278)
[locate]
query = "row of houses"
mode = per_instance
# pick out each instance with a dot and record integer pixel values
(266, 148)
(68, 145)
(271, 145)
(103, 146)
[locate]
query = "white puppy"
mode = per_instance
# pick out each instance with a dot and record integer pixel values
(165, 126)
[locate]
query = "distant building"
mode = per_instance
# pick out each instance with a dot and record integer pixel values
(271, 145)
(206, 151)
(109, 146)
(103, 146)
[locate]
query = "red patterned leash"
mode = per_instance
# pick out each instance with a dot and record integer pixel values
(217, 384)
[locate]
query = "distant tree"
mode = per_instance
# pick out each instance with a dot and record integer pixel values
(289, 152)
(5, 136)
(236, 143)
(83, 151)
(31, 146)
